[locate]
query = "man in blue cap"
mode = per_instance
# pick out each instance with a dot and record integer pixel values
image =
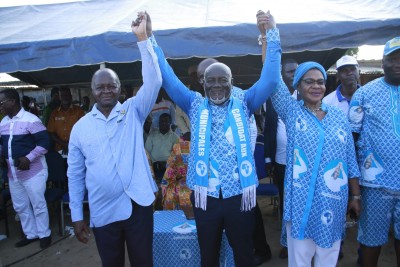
(375, 121)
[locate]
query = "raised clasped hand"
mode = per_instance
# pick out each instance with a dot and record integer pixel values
(265, 21)
(139, 26)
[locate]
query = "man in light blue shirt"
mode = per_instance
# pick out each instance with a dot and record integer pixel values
(107, 157)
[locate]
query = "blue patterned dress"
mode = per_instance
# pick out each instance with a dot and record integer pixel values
(320, 160)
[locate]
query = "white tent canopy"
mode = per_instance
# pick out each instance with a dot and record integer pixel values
(65, 43)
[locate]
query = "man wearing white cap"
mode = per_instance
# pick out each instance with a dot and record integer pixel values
(348, 74)
(375, 121)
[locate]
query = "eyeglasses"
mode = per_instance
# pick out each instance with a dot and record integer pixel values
(310, 82)
(2, 102)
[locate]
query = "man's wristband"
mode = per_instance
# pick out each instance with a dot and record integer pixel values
(262, 39)
(355, 198)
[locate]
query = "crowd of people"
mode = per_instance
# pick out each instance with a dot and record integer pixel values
(332, 156)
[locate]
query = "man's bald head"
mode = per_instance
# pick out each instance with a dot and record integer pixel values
(218, 65)
(106, 71)
(201, 68)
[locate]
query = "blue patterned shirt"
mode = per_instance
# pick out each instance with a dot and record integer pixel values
(320, 160)
(375, 114)
(223, 170)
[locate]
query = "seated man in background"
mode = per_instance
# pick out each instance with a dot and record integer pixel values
(159, 144)
(162, 105)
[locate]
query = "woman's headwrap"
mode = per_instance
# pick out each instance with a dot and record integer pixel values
(303, 68)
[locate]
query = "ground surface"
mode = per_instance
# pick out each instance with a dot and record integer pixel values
(67, 251)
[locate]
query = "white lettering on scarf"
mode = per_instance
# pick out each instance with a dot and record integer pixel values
(240, 127)
(202, 132)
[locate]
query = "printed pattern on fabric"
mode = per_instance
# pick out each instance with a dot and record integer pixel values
(222, 153)
(176, 194)
(320, 159)
(375, 114)
(223, 161)
(380, 208)
(172, 228)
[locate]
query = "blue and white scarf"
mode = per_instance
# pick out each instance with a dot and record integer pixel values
(248, 178)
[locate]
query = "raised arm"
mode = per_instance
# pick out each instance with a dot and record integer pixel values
(147, 94)
(282, 98)
(177, 91)
(262, 20)
(270, 74)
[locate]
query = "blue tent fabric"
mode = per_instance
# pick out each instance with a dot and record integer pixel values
(87, 33)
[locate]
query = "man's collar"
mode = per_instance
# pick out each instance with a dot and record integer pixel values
(339, 95)
(117, 108)
(18, 115)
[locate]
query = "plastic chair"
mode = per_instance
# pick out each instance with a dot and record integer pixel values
(264, 189)
(65, 201)
(56, 182)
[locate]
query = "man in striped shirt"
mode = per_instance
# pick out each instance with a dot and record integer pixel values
(24, 142)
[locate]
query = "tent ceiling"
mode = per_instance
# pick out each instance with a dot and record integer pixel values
(65, 43)
(245, 69)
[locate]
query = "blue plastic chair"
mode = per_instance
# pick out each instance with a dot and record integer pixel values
(56, 182)
(264, 189)
(65, 201)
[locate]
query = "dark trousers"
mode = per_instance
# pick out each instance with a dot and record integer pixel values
(239, 226)
(136, 232)
(260, 241)
(279, 180)
(159, 168)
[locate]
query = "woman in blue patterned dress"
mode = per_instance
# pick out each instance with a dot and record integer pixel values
(321, 167)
